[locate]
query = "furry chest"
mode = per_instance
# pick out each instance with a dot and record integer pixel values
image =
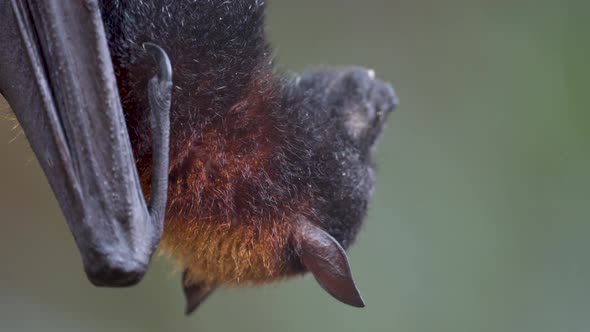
(230, 254)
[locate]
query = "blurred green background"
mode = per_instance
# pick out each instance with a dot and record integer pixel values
(481, 220)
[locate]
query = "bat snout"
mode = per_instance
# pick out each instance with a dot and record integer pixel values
(115, 275)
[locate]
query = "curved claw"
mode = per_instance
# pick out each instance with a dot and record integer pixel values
(159, 95)
(161, 58)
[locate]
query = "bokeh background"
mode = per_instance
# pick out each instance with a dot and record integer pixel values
(481, 220)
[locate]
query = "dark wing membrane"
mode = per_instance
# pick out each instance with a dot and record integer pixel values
(57, 76)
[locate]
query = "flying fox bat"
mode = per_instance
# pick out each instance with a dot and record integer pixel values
(261, 175)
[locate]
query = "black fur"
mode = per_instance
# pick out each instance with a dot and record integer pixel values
(332, 117)
(214, 46)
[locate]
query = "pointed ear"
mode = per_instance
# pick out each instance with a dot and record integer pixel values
(323, 256)
(195, 293)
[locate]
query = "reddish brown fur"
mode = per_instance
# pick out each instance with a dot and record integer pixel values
(215, 226)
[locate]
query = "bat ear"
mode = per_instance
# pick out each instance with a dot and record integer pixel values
(323, 256)
(195, 293)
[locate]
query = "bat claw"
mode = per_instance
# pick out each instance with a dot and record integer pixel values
(161, 58)
(159, 95)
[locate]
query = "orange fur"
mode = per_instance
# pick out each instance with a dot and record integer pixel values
(215, 226)
(215, 253)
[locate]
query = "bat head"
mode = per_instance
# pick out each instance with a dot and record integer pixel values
(345, 111)
(355, 99)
